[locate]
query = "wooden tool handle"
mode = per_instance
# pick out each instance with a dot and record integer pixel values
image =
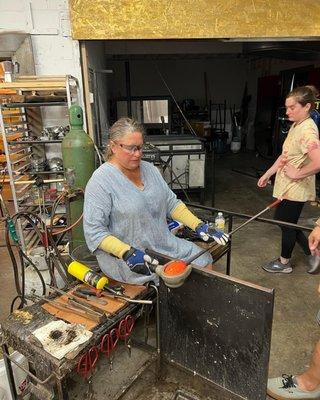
(275, 203)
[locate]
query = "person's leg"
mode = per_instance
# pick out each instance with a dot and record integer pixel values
(288, 241)
(288, 211)
(310, 379)
(303, 242)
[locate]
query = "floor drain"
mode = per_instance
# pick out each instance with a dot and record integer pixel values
(182, 395)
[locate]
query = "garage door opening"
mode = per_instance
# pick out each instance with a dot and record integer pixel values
(228, 94)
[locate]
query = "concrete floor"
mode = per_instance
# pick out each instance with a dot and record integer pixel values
(295, 330)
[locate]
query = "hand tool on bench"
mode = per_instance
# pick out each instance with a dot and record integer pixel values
(122, 297)
(88, 295)
(86, 308)
(113, 295)
(81, 304)
(175, 272)
(114, 289)
(77, 310)
(68, 308)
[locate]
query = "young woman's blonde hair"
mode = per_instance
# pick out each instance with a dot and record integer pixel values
(120, 129)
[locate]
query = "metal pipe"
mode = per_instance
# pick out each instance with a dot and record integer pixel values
(7, 363)
(62, 394)
(176, 103)
(35, 181)
(158, 318)
(6, 356)
(230, 225)
(246, 216)
(273, 204)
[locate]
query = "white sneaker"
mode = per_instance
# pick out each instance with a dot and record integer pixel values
(286, 387)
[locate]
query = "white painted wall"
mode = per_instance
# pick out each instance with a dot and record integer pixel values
(55, 53)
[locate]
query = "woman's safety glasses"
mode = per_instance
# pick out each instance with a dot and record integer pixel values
(131, 149)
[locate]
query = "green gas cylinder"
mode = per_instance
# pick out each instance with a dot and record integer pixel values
(79, 164)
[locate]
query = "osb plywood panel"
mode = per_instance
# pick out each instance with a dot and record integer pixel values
(172, 19)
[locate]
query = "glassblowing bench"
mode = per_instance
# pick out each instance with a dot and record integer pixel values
(50, 372)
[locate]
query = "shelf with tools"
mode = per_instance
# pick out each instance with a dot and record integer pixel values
(26, 141)
(35, 104)
(16, 142)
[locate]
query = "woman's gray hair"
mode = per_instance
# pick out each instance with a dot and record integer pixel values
(120, 129)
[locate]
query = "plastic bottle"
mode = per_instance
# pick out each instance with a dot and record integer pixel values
(219, 222)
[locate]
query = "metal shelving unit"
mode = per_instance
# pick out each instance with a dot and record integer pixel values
(35, 104)
(20, 137)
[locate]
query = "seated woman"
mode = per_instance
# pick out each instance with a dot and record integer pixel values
(127, 203)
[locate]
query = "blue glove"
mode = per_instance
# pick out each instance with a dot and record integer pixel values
(138, 261)
(205, 233)
(174, 226)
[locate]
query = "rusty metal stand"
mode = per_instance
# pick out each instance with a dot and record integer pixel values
(62, 391)
(9, 371)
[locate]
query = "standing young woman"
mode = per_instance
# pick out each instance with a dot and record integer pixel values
(295, 172)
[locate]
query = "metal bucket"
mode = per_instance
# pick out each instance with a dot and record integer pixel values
(83, 255)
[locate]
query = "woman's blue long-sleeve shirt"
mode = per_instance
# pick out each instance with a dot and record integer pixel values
(115, 206)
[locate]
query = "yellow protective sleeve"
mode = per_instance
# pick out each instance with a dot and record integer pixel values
(182, 214)
(113, 245)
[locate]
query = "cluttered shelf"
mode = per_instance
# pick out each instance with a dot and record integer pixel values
(35, 104)
(36, 141)
(30, 150)
(34, 172)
